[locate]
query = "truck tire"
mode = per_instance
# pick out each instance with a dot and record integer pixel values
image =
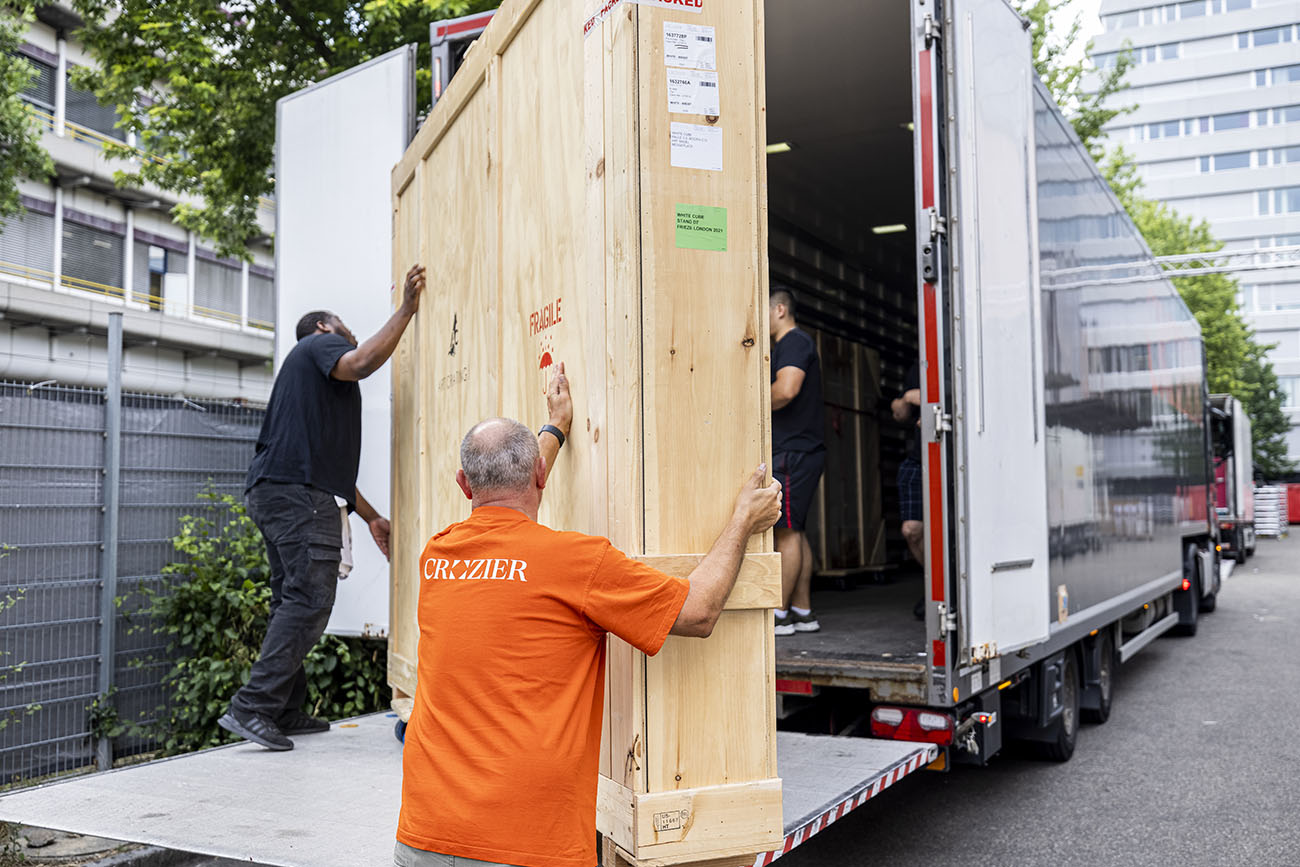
(1107, 667)
(1067, 724)
(1209, 602)
(1188, 602)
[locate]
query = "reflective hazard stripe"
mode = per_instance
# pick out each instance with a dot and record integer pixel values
(849, 804)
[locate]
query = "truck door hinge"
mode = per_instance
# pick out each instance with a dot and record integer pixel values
(947, 619)
(930, 28)
(942, 421)
(938, 224)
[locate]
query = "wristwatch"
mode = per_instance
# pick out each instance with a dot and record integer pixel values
(553, 431)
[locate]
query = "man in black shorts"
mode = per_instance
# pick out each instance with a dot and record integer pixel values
(306, 456)
(907, 409)
(798, 456)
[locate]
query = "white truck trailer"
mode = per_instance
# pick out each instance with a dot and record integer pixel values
(925, 198)
(1234, 476)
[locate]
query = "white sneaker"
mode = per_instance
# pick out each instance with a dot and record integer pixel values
(785, 625)
(804, 622)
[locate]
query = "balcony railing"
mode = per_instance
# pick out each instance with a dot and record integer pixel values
(135, 298)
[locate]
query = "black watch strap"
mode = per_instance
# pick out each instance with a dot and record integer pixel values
(553, 431)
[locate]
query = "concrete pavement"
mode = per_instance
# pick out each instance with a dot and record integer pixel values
(1198, 764)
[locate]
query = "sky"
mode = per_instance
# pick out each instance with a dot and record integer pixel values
(1091, 24)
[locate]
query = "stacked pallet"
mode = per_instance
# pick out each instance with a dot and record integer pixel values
(1271, 517)
(846, 528)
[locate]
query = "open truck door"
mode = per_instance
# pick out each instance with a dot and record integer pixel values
(981, 331)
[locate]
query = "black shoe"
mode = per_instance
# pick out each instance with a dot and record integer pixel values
(295, 722)
(255, 727)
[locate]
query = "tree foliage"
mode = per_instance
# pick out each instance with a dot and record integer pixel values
(198, 81)
(21, 154)
(1089, 105)
(214, 618)
(1236, 362)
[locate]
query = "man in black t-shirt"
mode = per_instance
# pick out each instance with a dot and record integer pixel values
(798, 456)
(907, 409)
(307, 455)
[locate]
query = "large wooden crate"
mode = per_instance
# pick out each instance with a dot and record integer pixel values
(846, 527)
(543, 199)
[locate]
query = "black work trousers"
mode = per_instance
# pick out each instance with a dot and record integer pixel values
(303, 531)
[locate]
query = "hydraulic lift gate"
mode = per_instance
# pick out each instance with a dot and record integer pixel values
(333, 800)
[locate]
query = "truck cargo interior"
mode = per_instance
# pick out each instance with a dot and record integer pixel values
(841, 218)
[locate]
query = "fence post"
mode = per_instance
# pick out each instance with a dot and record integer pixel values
(112, 475)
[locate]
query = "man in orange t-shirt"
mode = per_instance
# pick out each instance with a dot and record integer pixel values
(500, 763)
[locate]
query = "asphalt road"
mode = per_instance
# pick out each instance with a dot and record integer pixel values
(1199, 763)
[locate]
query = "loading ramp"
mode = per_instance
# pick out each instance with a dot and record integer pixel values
(333, 800)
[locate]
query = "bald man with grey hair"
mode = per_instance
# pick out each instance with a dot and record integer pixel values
(499, 455)
(513, 622)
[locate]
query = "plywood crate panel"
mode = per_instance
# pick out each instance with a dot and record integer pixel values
(543, 199)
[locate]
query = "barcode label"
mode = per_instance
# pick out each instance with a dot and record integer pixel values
(693, 91)
(689, 46)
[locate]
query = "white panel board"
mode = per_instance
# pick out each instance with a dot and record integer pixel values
(1001, 426)
(336, 144)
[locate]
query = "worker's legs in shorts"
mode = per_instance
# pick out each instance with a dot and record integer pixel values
(302, 528)
(408, 856)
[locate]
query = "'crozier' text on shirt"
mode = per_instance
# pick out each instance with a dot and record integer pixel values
(475, 570)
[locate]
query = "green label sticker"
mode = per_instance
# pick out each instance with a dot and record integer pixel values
(700, 227)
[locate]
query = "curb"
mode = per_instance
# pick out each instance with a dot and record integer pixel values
(145, 856)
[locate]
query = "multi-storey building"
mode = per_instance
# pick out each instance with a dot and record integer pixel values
(1217, 135)
(194, 323)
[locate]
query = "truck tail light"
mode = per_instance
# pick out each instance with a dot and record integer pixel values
(1225, 526)
(1187, 585)
(794, 687)
(911, 724)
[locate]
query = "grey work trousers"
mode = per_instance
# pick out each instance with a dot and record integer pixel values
(303, 529)
(408, 856)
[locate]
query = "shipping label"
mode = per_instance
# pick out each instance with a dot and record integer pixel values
(695, 146)
(690, 46)
(693, 91)
(701, 227)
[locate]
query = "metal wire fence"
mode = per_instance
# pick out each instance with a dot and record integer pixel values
(52, 495)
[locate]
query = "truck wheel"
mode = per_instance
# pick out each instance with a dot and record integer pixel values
(1067, 724)
(1106, 669)
(1209, 602)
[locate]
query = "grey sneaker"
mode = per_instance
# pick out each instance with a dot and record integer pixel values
(804, 622)
(785, 625)
(255, 727)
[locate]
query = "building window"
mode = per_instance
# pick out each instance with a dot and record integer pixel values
(1289, 114)
(152, 265)
(1194, 9)
(261, 301)
(40, 90)
(1267, 36)
(1122, 20)
(92, 259)
(1277, 296)
(1234, 120)
(1235, 160)
(84, 110)
(1289, 388)
(217, 289)
(27, 245)
(1237, 5)
(1286, 344)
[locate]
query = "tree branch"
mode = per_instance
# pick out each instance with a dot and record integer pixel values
(307, 29)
